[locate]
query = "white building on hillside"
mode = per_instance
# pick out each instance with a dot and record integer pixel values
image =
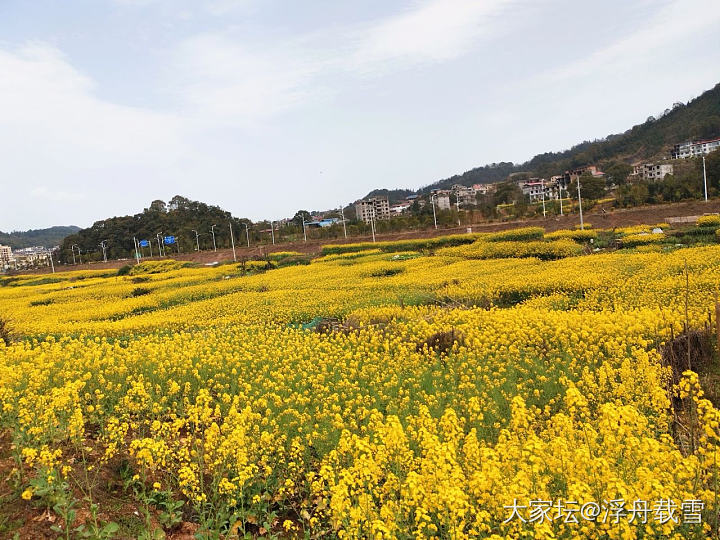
(694, 148)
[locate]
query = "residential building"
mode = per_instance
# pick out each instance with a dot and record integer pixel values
(6, 256)
(326, 222)
(372, 208)
(31, 257)
(484, 189)
(464, 194)
(399, 208)
(442, 198)
(652, 171)
(694, 148)
(573, 174)
(535, 187)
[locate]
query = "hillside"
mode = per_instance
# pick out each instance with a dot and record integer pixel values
(49, 237)
(178, 217)
(698, 119)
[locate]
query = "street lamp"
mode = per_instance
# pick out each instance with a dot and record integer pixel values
(582, 226)
(247, 234)
(160, 249)
(232, 242)
(457, 204)
(342, 215)
(432, 200)
(304, 233)
(103, 245)
(372, 223)
(272, 232)
(73, 252)
(705, 178)
(137, 252)
(212, 230)
(542, 189)
(197, 239)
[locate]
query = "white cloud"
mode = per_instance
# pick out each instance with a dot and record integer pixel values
(57, 135)
(432, 31)
(222, 78)
(674, 26)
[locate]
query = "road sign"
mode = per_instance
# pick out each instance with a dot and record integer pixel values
(169, 240)
(144, 243)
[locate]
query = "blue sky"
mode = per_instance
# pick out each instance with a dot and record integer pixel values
(266, 107)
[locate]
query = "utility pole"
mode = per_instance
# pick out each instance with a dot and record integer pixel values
(232, 241)
(103, 245)
(542, 189)
(582, 225)
(197, 239)
(342, 216)
(212, 230)
(79, 256)
(560, 192)
(52, 264)
(457, 205)
(705, 178)
(272, 232)
(137, 254)
(432, 199)
(304, 233)
(372, 223)
(247, 233)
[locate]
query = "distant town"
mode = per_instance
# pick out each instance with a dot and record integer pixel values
(535, 190)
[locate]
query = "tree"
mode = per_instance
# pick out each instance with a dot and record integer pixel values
(712, 167)
(507, 193)
(300, 215)
(591, 187)
(617, 173)
(158, 206)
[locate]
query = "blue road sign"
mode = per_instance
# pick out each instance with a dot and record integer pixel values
(169, 240)
(144, 243)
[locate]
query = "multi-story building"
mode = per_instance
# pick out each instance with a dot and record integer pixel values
(573, 174)
(6, 255)
(652, 171)
(535, 187)
(441, 198)
(465, 194)
(373, 208)
(694, 148)
(483, 189)
(399, 208)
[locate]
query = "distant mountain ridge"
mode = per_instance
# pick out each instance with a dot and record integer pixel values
(698, 119)
(50, 237)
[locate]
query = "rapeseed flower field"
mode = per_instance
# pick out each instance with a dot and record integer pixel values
(372, 394)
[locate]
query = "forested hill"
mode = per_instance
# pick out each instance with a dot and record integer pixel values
(49, 237)
(698, 119)
(178, 218)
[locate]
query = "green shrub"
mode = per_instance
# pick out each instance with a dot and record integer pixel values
(577, 235)
(709, 221)
(556, 249)
(641, 239)
(156, 267)
(419, 244)
(516, 235)
(140, 291)
(124, 270)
